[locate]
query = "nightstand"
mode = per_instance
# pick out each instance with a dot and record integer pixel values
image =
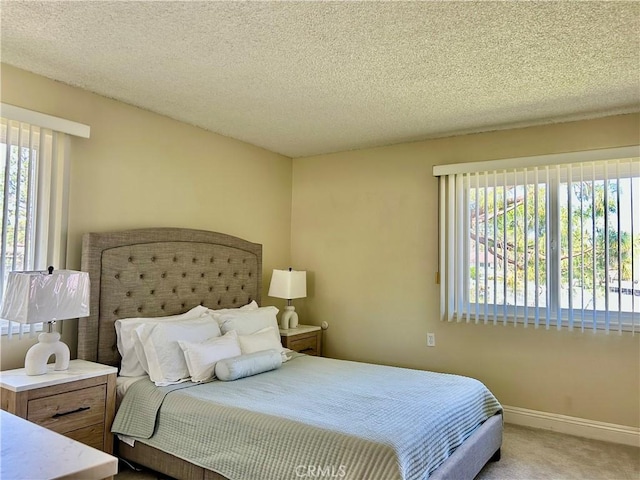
(79, 402)
(43, 454)
(304, 339)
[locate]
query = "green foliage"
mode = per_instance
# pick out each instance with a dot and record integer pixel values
(514, 238)
(14, 184)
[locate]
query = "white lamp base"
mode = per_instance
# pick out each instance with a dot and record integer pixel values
(289, 318)
(35, 363)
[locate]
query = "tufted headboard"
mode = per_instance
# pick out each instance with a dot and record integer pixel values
(161, 271)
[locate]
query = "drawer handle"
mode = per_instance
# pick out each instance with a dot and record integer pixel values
(81, 409)
(309, 349)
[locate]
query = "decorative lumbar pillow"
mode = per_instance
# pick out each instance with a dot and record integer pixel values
(261, 340)
(130, 366)
(248, 365)
(248, 322)
(202, 357)
(166, 361)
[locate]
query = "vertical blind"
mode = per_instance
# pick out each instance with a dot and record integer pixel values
(544, 241)
(34, 190)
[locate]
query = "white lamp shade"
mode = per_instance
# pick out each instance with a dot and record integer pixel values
(288, 284)
(34, 297)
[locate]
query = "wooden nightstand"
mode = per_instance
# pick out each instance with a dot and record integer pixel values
(304, 339)
(78, 403)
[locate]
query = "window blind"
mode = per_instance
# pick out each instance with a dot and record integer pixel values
(34, 191)
(543, 244)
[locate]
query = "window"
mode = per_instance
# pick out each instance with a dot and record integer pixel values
(34, 192)
(554, 243)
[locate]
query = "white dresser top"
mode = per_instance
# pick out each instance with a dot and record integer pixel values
(30, 451)
(298, 330)
(18, 381)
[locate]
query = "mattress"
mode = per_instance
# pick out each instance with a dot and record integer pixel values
(350, 419)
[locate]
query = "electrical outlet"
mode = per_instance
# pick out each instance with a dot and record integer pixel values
(431, 339)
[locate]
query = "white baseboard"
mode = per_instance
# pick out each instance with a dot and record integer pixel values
(580, 427)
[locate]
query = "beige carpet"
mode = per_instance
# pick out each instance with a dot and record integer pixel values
(530, 454)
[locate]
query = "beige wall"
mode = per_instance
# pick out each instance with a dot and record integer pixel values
(364, 224)
(140, 169)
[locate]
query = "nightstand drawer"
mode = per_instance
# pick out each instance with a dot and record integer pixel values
(69, 411)
(305, 339)
(307, 345)
(92, 436)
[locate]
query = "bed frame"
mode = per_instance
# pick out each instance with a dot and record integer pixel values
(166, 271)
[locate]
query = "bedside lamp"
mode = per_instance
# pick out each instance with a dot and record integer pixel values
(288, 284)
(35, 297)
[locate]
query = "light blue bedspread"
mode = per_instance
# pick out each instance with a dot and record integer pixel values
(315, 416)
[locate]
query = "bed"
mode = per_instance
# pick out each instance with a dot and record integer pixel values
(277, 431)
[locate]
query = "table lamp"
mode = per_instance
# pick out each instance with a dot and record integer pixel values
(46, 297)
(288, 284)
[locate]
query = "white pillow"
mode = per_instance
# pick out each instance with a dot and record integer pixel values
(130, 365)
(248, 322)
(247, 365)
(253, 305)
(165, 358)
(261, 340)
(139, 348)
(202, 357)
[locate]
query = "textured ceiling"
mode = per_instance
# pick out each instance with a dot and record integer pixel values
(303, 78)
